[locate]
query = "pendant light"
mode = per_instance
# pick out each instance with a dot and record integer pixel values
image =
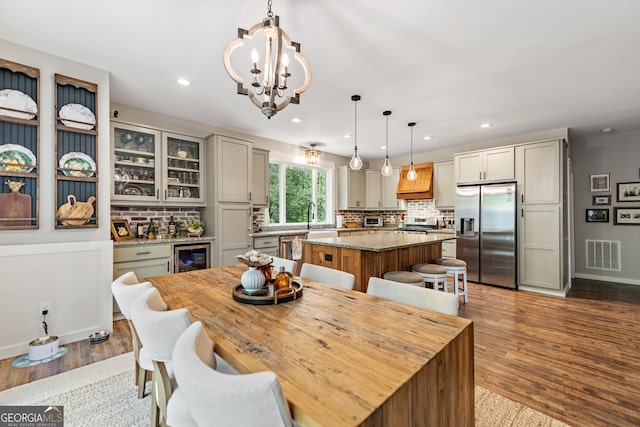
(387, 169)
(356, 162)
(412, 174)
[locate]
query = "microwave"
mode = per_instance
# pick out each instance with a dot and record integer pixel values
(373, 221)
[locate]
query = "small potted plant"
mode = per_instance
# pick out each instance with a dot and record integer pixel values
(195, 227)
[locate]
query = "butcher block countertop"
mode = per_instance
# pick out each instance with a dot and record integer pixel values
(380, 242)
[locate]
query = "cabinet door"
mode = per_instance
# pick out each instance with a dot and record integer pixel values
(356, 189)
(260, 178)
(499, 164)
(468, 167)
(389, 189)
(183, 169)
(372, 189)
(136, 164)
(445, 185)
(143, 269)
(538, 172)
(233, 160)
(234, 225)
(540, 236)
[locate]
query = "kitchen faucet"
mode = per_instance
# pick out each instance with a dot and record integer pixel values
(310, 208)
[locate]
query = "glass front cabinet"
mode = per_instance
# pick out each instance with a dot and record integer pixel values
(150, 166)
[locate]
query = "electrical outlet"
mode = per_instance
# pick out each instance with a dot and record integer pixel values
(45, 306)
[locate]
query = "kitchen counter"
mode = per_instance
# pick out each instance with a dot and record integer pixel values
(373, 255)
(293, 232)
(380, 242)
(177, 240)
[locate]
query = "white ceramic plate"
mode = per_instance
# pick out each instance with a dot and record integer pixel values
(14, 103)
(16, 158)
(77, 116)
(77, 164)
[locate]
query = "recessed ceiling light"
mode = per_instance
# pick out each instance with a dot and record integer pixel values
(428, 137)
(607, 130)
(348, 136)
(485, 125)
(382, 147)
(183, 82)
(296, 120)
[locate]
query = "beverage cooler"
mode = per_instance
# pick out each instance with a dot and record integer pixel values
(191, 257)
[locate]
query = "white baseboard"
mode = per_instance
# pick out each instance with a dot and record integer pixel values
(608, 279)
(562, 293)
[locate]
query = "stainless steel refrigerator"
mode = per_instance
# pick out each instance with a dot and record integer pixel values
(486, 225)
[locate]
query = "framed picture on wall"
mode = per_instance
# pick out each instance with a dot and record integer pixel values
(597, 215)
(601, 200)
(120, 230)
(628, 192)
(626, 216)
(599, 182)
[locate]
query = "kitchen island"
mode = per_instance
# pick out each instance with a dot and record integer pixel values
(373, 255)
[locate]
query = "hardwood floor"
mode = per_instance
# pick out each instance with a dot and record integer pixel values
(576, 358)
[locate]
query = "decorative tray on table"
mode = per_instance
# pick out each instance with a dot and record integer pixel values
(282, 295)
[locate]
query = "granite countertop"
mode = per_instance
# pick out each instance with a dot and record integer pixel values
(177, 240)
(293, 232)
(380, 242)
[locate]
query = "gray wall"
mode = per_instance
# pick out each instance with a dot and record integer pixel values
(618, 155)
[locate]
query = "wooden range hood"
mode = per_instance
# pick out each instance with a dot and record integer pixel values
(421, 188)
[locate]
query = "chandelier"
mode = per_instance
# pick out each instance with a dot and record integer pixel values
(312, 155)
(269, 89)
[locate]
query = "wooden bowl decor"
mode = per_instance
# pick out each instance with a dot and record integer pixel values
(74, 212)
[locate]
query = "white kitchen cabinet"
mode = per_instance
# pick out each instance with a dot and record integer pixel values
(232, 232)
(380, 191)
(152, 167)
(260, 178)
(445, 185)
(449, 249)
(233, 169)
(388, 189)
(372, 180)
(538, 172)
(492, 165)
(542, 210)
(351, 188)
(266, 245)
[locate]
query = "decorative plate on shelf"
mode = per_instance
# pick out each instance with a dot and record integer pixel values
(77, 164)
(16, 158)
(77, 116)
(14, 103)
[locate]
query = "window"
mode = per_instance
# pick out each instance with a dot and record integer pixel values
(298, 194)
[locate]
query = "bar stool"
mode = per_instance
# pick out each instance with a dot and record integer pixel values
(432, 273)
(408, 277)
(456, 267)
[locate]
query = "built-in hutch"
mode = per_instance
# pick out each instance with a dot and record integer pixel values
(19, 146)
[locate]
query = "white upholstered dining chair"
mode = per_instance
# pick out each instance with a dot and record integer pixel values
(413, 295)
(159, 329)
(215, 398)
(125, 290)
(328, 275)
(288, 264)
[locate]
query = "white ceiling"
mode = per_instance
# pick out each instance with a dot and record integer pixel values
(449, 65)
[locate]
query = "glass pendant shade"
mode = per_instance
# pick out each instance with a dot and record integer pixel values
(412, 174)
(356, 162)
(387, 169)
(312, 155)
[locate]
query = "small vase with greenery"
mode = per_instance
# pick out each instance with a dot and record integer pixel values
(195, 227)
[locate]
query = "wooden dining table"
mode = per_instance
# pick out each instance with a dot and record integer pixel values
(343, 358)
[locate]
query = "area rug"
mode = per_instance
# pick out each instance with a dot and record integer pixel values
(104, 394)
